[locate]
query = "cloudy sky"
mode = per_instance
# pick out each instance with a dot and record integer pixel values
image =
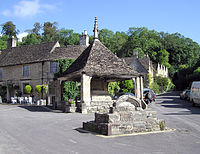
(117, 15)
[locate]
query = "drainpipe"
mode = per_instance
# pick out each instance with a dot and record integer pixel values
(42, 78)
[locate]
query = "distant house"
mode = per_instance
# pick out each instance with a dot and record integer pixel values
(34, 64)
(146, 67)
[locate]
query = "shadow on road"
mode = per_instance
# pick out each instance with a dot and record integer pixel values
(35, 108)
(172, 100)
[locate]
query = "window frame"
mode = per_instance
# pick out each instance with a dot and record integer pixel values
(54, 67)
(24, 71)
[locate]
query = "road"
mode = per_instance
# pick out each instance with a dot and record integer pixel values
(31, 130)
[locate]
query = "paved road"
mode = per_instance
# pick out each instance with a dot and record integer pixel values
(31, 130)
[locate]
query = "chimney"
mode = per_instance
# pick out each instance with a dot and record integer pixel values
(12, 42)
(84, 40)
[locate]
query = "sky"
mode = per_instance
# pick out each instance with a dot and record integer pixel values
(170, 16)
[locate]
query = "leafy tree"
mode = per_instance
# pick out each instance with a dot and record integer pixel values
(50, 32)
(163, 57)
(9, 29)
(3, 42)
(31, 39)
(37, 27)
(68, 37)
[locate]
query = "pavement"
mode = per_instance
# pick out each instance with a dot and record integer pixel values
(38, 130)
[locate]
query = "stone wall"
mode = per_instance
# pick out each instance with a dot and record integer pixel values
(14, 75)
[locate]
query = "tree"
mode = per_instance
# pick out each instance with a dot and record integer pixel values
(50, 32)
(68, 37)
(3, 42)
(163, 57)
(9, 29)
(31, 39)
(37, 27)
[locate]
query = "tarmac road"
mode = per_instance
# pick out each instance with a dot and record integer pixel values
(35, 130)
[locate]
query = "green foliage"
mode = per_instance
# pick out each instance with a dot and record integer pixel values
(9, 29)
(149, 78)
(126, 86)
(50, 32)
(161, 84)
(63, 65)
(28, 89)
(113, 87)
(68, 37)
(31, 39)
(155, 87)
(162, 125)
(71, 101)
(3, 42)
(197, 70)
(38, 89)
(71, 90)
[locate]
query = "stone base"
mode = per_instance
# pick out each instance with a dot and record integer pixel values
(123, 123)
(100, 106)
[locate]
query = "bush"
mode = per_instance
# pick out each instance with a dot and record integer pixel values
(27, 89)
(71, 101)
(71, 90)
(155, 87)
(38, 89)
(113, 87)
(126, 86)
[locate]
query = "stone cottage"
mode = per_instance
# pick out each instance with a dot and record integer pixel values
(146, 67)
(34, 65)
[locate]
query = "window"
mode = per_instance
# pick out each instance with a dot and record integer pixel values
(0, 74)
(26, 70)
(54, 67)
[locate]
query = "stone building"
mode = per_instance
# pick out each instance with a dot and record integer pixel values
(34, 65)
(95, 68)
(146, 67)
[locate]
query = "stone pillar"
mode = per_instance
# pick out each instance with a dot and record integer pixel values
(137, 87)
(85, 92)
(8, 94)
(57, 94)
(141, 87)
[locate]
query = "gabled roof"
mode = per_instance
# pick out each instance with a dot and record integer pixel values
(70, 52)
(25, 54)
(135, 63)
(97, 60)
(38, 52)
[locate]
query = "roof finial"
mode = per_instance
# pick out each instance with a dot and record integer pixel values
(95, 29)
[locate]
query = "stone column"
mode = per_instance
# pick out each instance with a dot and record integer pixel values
(8, 94)
(85, 92)
(57, 94)
(137, 87)
(141, 87)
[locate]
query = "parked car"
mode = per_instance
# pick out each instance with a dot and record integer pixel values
(122, 93)
(151, 92)
(195, 93)
(185, 94)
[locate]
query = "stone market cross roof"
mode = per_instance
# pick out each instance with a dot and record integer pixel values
(97, 60)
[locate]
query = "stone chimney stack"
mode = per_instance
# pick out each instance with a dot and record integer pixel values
(12, 42)
(96, 31)
(84, 40)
